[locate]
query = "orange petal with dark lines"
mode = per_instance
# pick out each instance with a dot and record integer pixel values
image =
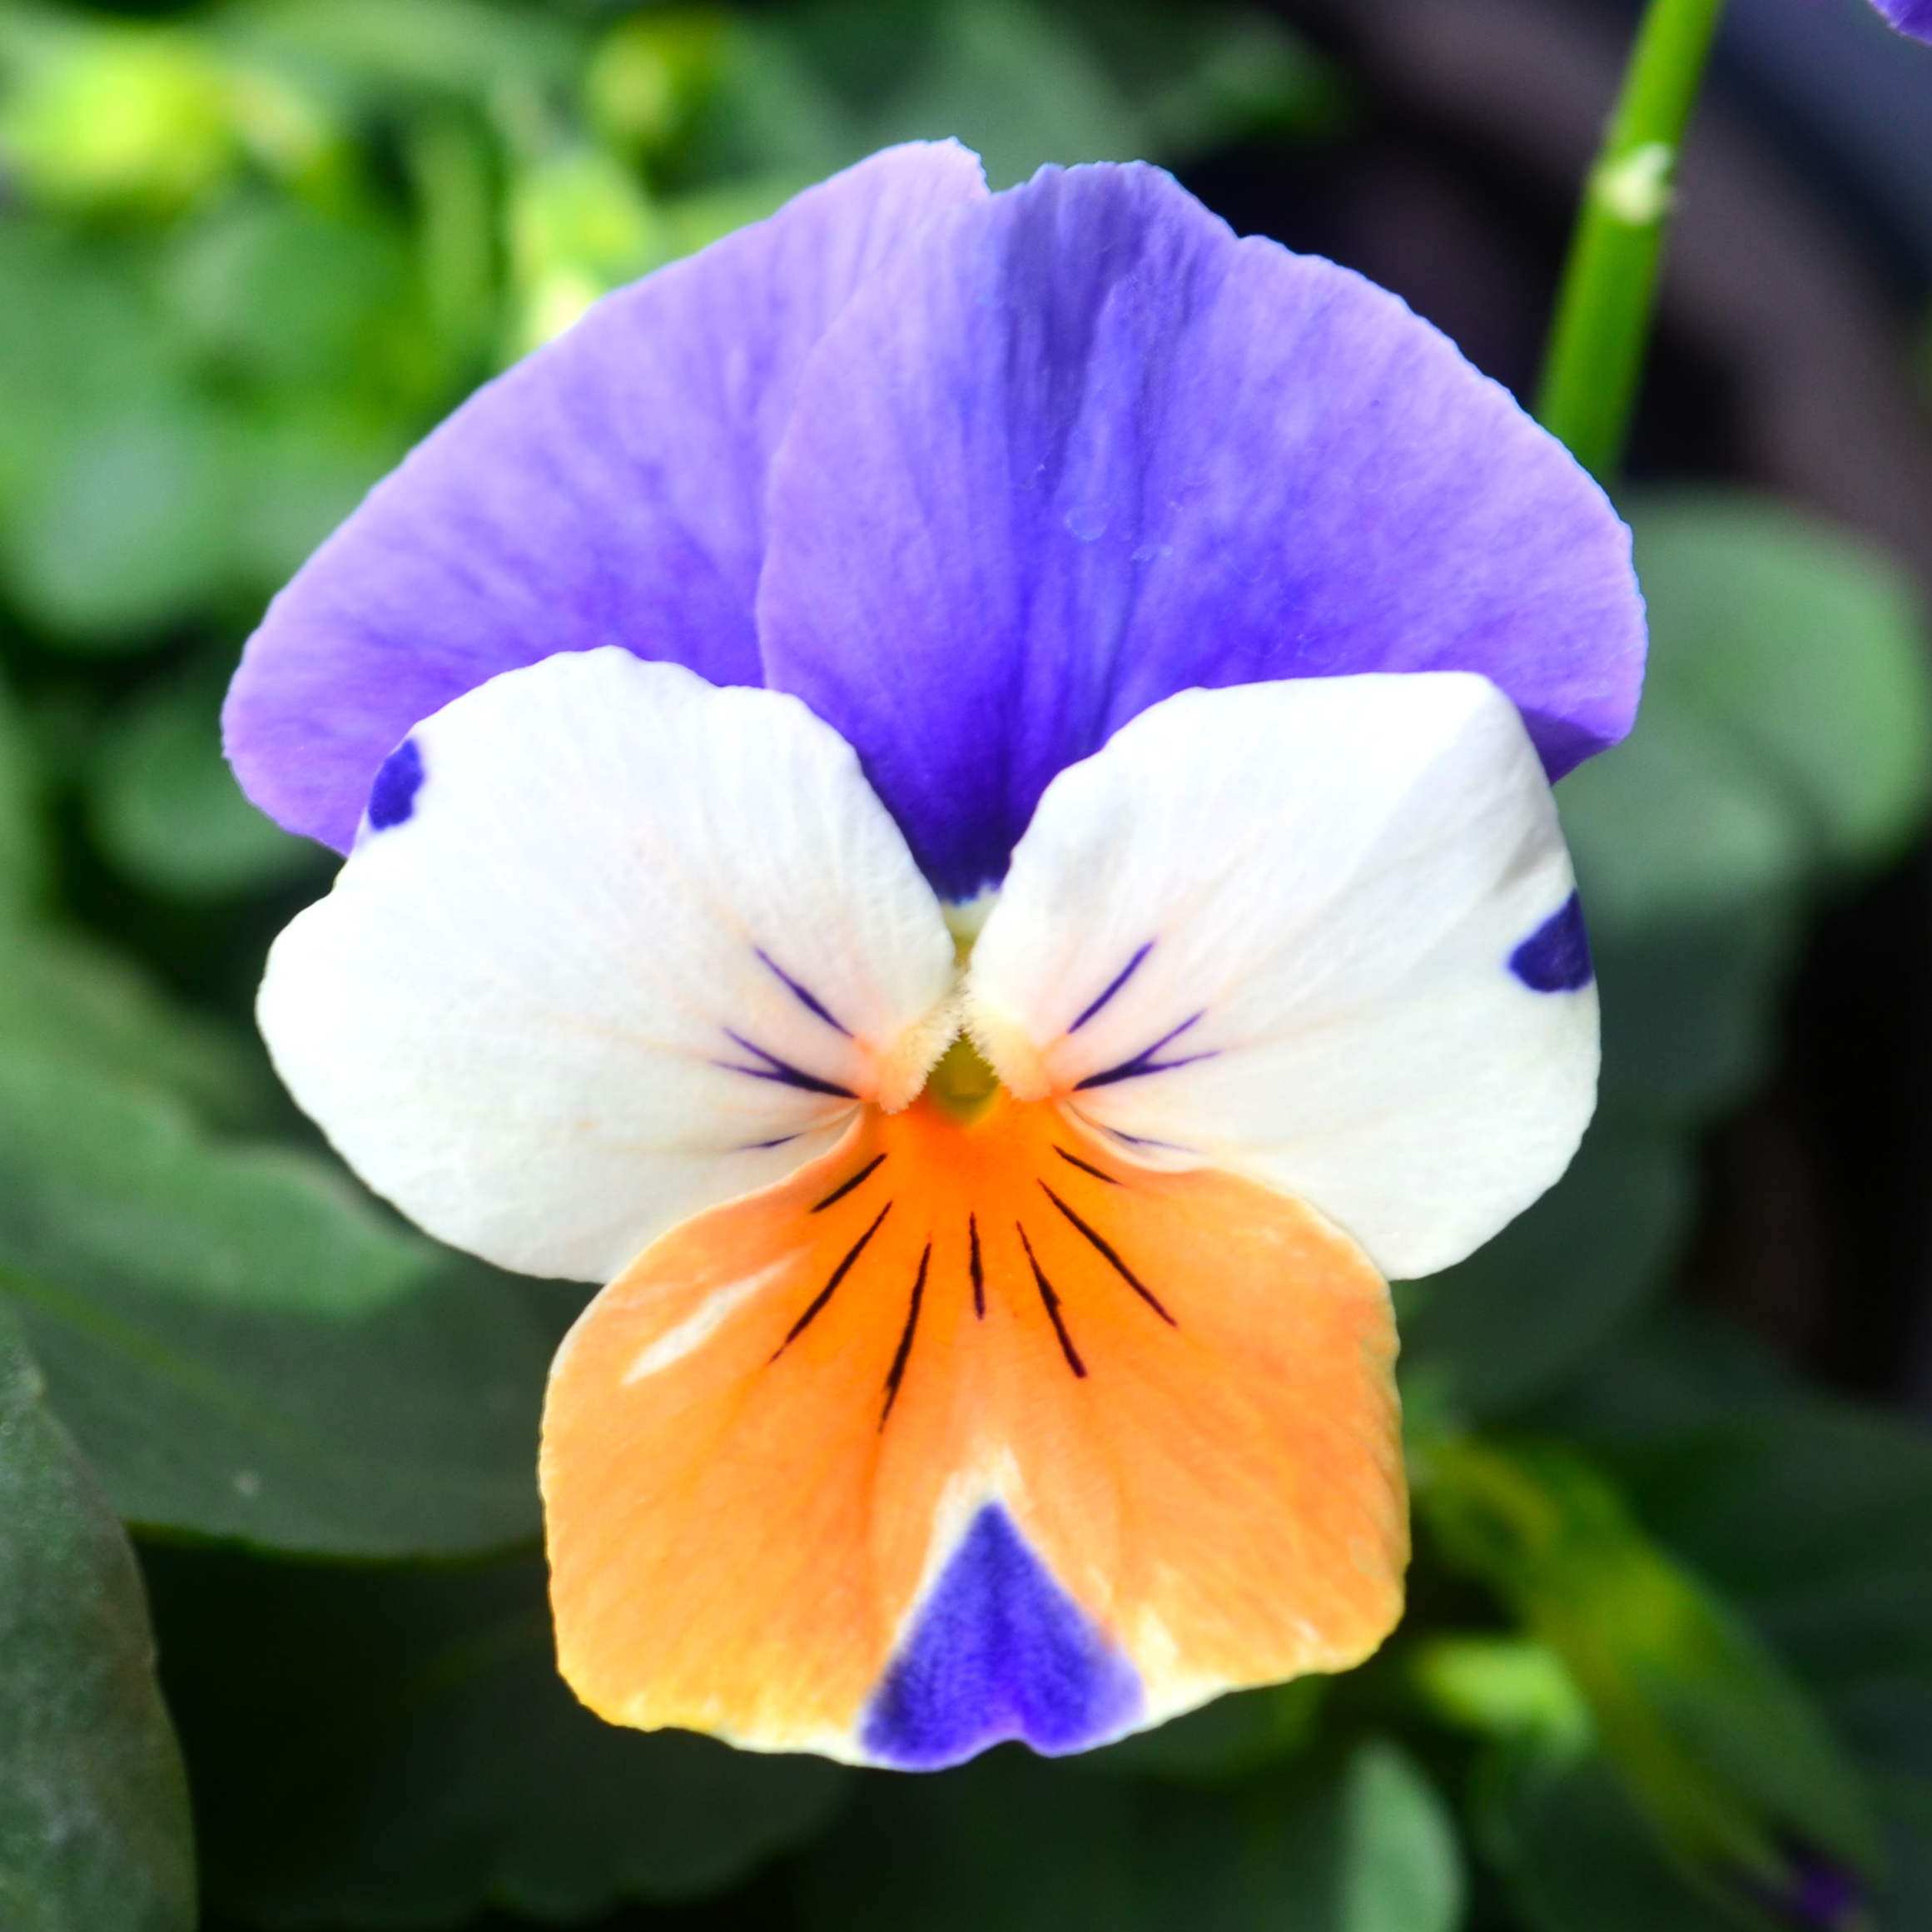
(973, 1431)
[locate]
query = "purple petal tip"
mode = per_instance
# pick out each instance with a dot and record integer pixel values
(1911, 16)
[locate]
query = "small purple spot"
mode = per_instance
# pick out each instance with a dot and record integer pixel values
(1817, 1894)
(1824, 1895)
(1556, 957)
(1000, 1650)
(393, 797)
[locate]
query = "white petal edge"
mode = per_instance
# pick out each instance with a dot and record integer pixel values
(546, 1014)
(1329, 877)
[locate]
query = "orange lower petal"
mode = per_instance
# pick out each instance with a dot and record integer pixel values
(971, 1432)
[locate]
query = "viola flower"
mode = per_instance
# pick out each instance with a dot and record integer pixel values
(952, 796)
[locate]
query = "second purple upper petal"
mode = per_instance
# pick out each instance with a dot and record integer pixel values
(1912, 17)
(1079, 448)
(609, 489)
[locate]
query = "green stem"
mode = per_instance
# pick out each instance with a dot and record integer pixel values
(1597, 344)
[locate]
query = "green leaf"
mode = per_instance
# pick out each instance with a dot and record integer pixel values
(68, 998)
(102, 1182)
(437, 47)
(133, 118)
(1508, 1687)
(1206, 76)
(772, 115)
(1529, 1308)
(300, 466)
(1679, 824)
(165, 808)
(649, 78)
(1815, 1516)
(1691, 1009)
(247, 1348)
(1724, 1751)
(78, 338)
(1786, 726)
(1401, 1864)
(1801, 647)
(94, 1827)
(23, 857)
(1011, 1840)
(129, 530)
(1014, 86)
(1579, 1856)
(114, 480)
(1019, 82)
(394, 1747)
(277, 292)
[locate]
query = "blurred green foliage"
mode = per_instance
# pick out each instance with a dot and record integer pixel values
(1670, 1657)
(94, 1805)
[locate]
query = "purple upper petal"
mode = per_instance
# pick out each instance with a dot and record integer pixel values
(1078, 449)
(1912, 17)
(609, 489)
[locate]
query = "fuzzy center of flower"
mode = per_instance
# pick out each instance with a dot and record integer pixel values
(962, 1087)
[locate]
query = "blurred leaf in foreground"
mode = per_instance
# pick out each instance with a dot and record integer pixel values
(1549, 1809)
(1813, 1515)
(94, 1828)
(1721, 1751)
(394, 1747)
(1579, 1855)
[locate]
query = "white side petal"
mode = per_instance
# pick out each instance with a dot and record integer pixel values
(638, 945)
(1305, 897)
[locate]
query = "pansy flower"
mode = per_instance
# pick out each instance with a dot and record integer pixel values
(953, 797)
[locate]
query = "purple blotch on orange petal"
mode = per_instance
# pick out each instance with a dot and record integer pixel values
(1556, 957)
(393, 797)
(1000, 1650)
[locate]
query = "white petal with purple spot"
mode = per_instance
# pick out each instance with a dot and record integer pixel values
(1320, 932)
(613, 946)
